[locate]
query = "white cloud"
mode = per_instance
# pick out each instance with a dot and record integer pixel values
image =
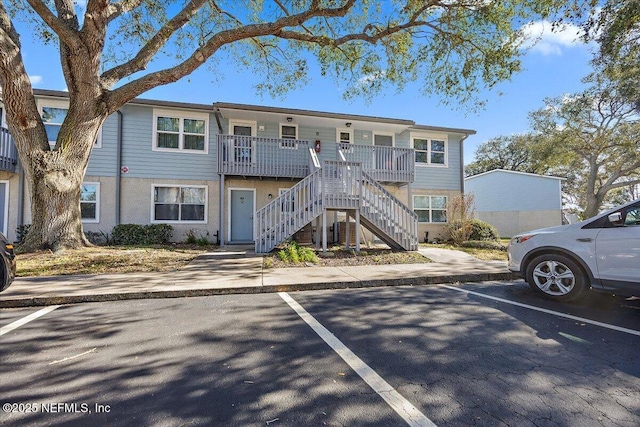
(36, 80)
(542, 38)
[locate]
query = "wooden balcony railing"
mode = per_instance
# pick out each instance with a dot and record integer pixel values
(264, 157)
(384, 164)
(8, 152)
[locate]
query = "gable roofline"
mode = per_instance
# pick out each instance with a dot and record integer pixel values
(516, 173)
(311, 113)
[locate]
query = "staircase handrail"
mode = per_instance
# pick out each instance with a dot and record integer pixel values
(406, 221)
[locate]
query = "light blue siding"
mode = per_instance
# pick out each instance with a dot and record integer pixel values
(138, 155)
(103, 160)
(441, 177)
(326, 135)
(506, 191)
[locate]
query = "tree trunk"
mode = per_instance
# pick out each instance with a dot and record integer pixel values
(55, 208)
(54, 179)
(594, 201)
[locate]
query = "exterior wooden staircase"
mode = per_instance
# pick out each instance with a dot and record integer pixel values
(337, 185)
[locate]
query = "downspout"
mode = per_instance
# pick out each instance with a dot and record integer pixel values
(462, 163)
(119, 166)
(221, 235)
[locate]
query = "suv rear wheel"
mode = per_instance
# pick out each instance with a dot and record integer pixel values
(556, 277)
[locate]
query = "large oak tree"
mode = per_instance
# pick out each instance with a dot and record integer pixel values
(597, 133)
(453, 47)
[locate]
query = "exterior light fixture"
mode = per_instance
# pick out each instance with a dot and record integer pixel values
(348, 124)
(289, 119)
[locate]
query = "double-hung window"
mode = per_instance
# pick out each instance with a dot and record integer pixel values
(290, 133)
(90, 202)
(53, 114)
(179, 204)
(180, 131)
(430, 151)
(430, 208)
(344, 136)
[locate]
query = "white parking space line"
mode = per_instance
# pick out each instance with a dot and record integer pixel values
(33, 316)
(544, 310)
(402, 406)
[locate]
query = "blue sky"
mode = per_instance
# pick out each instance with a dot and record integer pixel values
(553, 66)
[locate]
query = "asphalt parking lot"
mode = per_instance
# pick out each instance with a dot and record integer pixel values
(490, 354)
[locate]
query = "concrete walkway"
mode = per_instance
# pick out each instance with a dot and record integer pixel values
(240, 270)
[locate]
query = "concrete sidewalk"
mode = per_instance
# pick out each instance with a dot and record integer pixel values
(240, 270)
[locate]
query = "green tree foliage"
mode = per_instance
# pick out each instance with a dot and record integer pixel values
(597, 133)
(112, 52)
(617, 30)
(530, 152)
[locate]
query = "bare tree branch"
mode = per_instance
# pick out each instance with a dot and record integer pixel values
(141, 60)
(67, 35)
(132, 89)
(116, 10)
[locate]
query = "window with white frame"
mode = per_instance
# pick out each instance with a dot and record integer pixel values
(90, 202)
(430, 208)
(180, 131)
(430, 151)
(52, 118)
(288, 131)
(53, 114)
(344, 136)
(179, 203)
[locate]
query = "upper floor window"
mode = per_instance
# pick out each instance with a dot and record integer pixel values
(288, 132)
(430, 151)
(90, 202)
(53, 118)
(53, 113)
(344, 136)
(180, 131)
(430, 208)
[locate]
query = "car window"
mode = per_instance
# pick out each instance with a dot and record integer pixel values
(633, 216)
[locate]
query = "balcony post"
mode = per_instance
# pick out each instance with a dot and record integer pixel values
(357, 230)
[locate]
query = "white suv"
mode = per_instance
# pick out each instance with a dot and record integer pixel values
(602, 253)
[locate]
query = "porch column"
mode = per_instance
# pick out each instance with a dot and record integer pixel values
(221, 213)
(324, 230)
(357, 230)
(347, 230)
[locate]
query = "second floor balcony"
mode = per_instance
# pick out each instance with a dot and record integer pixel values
(263, 157)
(8, 152)
(384, 164)
(252, 156)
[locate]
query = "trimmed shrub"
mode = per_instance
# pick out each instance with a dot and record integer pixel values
(481, 230)
(136, 234)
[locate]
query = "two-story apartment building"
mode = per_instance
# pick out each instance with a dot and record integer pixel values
(254, 174)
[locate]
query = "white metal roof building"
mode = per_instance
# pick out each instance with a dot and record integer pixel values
(515, 202)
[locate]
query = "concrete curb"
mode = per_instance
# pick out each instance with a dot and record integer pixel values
(121, 296)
